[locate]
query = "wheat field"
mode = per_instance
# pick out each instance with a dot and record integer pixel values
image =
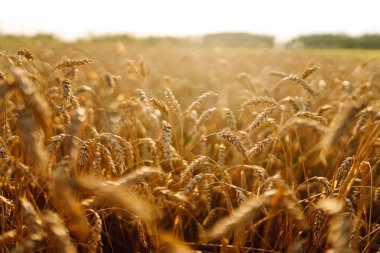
(110, 147)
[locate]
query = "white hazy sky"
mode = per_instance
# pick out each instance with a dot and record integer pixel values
(70, 19)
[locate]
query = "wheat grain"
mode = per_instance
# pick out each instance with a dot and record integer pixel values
(297, 80)
(309, 116)
(35, 228)
(166, 140)
(259, 147)
(317, 223)
(204, 117)
(231, 120)
(342, 171)
(259, 101)
(94, 239)
(339, 228)
(26, 53)
(261, 118)
(323, 109)
(234, 140)
(111, 80)
(200, 101)
(172, 101)
(58, 232)
(307, 72)
(7, 202)
(251, 210)
(73, 63)
(160, 105)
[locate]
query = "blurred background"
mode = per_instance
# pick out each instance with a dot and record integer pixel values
(271, 23)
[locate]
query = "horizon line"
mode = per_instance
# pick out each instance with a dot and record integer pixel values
(92, 35)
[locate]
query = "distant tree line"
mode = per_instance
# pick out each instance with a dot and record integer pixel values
(238, 40)
(367, 41)
(232, 39)
(215, 39)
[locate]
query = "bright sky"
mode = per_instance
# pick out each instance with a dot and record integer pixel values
(70, 19)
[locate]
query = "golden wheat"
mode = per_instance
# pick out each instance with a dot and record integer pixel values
(96, 162)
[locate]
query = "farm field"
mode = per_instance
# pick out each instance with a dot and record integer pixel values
(110, 146)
